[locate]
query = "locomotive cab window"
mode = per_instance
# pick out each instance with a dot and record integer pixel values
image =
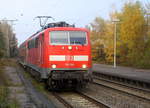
(77, 37)
(68, 37)
(59, 37)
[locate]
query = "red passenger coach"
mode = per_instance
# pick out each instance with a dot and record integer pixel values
(60, 54)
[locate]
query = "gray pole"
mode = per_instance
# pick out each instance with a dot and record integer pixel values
(115, 46)
(115, 41)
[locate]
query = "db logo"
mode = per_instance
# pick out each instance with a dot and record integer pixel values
(69, 64)
(69, 58)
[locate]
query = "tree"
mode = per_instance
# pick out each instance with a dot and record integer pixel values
(109, 42)
(147, 17)
(133, 36)
(8, 40)
(13, 46)
(2, 45)
(98, 28)
(132, 32)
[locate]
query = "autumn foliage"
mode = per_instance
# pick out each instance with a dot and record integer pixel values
(8, 40)
(133, 37)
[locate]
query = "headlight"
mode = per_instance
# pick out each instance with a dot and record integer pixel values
(70, 47)
(84, 66)
(53, 66)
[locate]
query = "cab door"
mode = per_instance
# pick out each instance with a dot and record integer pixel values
(40, 50)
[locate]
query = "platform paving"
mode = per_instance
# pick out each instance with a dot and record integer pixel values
(124, 72)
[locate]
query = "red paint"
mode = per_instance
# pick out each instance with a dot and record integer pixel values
(40, 56)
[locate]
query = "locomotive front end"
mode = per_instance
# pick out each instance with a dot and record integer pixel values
(69, 56)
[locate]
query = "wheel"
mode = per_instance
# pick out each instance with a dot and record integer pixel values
(38, 77)
(50, 84)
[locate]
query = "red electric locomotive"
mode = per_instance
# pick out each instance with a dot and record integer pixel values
(60, 54)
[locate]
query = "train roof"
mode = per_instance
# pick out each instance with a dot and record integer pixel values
(54, 26)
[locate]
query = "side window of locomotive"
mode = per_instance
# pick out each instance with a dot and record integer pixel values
(36, 42)
(32, 43)
(77, 37)
(43, 37)
(59, 37)
(23, 47)
(29, 45)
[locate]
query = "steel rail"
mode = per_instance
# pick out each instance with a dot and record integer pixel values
(123, 84)
(65, 103)
(95, 101)
(107, 86)
(138, 83)
(90, 99)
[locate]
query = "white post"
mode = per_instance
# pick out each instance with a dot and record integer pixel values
(115, 41)
(115, 46)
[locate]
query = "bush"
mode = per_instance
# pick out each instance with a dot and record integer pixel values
(2, 45)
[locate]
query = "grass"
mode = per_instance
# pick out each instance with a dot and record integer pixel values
(5, 102)
(37, 85)
(8, 62)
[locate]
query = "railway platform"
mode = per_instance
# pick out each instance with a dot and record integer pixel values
(123, 72)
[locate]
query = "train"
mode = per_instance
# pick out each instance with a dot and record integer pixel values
(59, 54)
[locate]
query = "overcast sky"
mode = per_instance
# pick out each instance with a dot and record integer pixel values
(80, 12)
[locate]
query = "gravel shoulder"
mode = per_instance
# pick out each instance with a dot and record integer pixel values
(17, 89)
(40, 100)
(113, 98)
(21, 88)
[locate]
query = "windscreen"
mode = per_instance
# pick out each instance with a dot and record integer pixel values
(68, 37)
(59, 37)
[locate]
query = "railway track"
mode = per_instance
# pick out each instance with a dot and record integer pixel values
(138, 92)
(124, 80)
(78, 100)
